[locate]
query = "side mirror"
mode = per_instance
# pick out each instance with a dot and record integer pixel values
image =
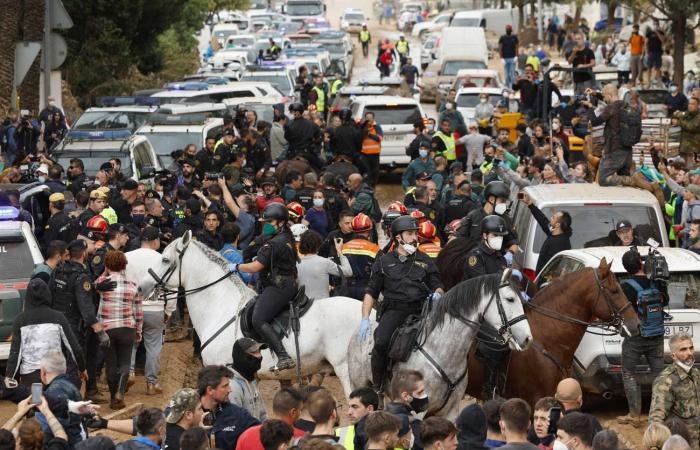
(148, 172)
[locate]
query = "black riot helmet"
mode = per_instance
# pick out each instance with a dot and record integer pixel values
(345, 115)
(497, 189)
(494, 224)
(275, 211)
(296, 107)
(403, 223)
(388, 218)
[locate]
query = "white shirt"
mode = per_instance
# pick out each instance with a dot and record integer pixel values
(622, 61)
(313, 272)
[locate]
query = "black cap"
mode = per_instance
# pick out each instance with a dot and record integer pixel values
(77, 244)
(150, 234)
(623, 224)
(38, 292)
(106, 166)
(268, 180)
(189, 161)
(230, 132)
(423, 176)
(152, 194)
(117, 227)
(130, 185)
(249, 345)
(456, 166)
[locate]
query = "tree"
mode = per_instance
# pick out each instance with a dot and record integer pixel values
(230, 5)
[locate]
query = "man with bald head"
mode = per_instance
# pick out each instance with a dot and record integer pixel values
(570, 396)
(361, 197)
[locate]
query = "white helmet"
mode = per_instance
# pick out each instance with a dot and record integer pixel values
(298, 229)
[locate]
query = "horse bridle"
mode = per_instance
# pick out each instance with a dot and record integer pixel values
(616, 321)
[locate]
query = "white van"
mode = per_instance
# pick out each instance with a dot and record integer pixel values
(192, 92)
(594, 212)
(466, 42)
(396, 115)
(494, 20)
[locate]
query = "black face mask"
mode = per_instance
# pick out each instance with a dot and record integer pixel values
(244, 363)
(418, 405)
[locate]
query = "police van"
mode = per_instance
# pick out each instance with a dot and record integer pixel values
(278, 75)
(96, 147)
(19, 254)
(116, 113)
(597, 361)
(194, 92)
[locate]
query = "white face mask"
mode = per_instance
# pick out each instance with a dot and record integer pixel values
(559, 445)
(423, 153)
(448, 106)
(41, 179)
(555, 126)
(318, 202)
(500, 208)
(243, 163)
(685, 366)
(495, 242)
(409, 248)
(482, 100)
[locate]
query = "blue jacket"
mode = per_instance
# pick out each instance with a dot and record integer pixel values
(230, 421)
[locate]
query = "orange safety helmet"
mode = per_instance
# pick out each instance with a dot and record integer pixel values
(453, 226)
(97, 224)
(361, 223)
(397, 206)
(427, 231)
(295, 210)
(419, 216)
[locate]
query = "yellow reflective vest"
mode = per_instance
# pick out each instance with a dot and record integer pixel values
(320, 99)
(346, 437)
(450, 147)
(364, 36)
(402, 47)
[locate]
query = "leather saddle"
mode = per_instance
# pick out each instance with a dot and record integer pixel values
(282, 324)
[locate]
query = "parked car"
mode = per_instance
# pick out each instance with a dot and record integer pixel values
(437, 23)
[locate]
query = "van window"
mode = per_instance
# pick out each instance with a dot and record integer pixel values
(471, 100)
(593, 226)
(452, 67)
(92, 160)
(394, 114)
(465, 22)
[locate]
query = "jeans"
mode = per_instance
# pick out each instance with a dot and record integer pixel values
(153, 327)
(636, 68)
(614, 163)
(510, 71)
(118, 356)
(633, 349)
(372, 161)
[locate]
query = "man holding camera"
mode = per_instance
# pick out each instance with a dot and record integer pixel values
(648, 297)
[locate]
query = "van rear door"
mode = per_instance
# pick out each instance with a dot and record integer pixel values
(397, 124)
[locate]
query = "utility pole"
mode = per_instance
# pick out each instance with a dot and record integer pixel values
(45, 57)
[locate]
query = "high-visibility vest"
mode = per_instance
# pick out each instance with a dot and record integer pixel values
(430, 248)
(402, 47)
(335, 86)
(320, 99)
(449, 141)
(346, 437)
(486, 167)
(370, 146)
(364, 36)
(360, 247)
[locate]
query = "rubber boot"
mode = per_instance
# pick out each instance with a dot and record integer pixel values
(284, 361)
(378, 376)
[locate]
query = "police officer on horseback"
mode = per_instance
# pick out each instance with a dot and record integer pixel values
(406, 277)
(276, 260)
(484, 259)
(496, 195)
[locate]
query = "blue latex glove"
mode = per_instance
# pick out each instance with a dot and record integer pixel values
(233, 267)
(436, 296)
(517, 274)
(364, 330)
(524, 295)
(509, 258)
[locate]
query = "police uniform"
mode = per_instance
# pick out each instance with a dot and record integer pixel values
(458, 207)
(361, 254)
(303, 136)
(58, 227)
(84, 217)
(406, 283)
(97, 261)
(676, 394)
(482, 260)
(305, 197)
(470, 227)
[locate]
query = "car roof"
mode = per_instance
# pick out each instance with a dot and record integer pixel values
(678, 259)
(480, 90)
(583, 193)
(467, 14)
(461, 58)
(130, 108)
(386, 99)
(477, 73)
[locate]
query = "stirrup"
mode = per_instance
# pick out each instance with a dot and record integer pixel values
(287, 363)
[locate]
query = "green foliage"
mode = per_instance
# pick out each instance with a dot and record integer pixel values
(218, 5)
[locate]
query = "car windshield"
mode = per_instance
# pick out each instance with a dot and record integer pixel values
(257, 4)
(264, 112)
(471, 100)
(653, 97)
(15, 259)
(452, 67)
(165, 143)
(92, 160)
(223, 34)
(304, 9)
(110, 120)
(334, 49)
(478, 81)
(465, 22)
(593, 225)
(354, 17)
(240, 42)
(394, 114)
(280, 82)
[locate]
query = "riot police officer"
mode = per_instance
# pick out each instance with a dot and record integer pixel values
(487, 258)
(58, 227)
(496, 195)
(276, 260)
(73, 292)
(347, 140)
(303, 136)
(116, 239)
(406, 277)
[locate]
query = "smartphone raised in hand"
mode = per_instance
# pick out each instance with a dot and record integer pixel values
(37, 391)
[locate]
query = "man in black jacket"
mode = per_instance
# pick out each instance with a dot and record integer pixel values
(557, 229)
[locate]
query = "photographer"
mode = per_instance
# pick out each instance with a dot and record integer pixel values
(648, 296)
(27, 135)
(557, 229)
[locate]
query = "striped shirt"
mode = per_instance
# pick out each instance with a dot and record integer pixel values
(121, 307)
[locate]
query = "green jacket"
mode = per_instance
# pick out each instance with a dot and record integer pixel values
(690, 132)
(677, 394)
(414, 168)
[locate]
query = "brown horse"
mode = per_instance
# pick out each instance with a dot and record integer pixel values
(558, 316)
(451, 261)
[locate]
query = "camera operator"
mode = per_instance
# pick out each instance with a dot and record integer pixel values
(27, 135)
(648, 296)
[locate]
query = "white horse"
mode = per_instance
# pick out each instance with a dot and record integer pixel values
(325, 330)
(447, 337)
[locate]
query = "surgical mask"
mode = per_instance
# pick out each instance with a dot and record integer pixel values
(495, 242)
(555, 126)
(423, 153)
(41, 179)
(420, 404)
(409, 248)
(318, 202)
(138, 218)
(685, 366)
(431, 127)
(448, 105)
(673, 89)
(482, 100)
(268, 229)
(559, 445)
(500, 208)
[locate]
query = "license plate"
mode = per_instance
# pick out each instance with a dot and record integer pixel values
(393, 138)
(678, 328)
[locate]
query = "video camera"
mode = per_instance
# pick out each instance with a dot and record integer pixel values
(655, 264)
(166, 179)
(213, 176)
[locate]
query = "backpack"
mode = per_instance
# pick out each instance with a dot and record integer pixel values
(630, 125)
(650, 309)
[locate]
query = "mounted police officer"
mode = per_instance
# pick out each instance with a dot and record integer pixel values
(406, 277)
(484, 259)
(276, 260)
(73, 293)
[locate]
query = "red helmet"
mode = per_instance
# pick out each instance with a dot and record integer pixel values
(427, 231)
(97, 224)
(453, 226)
(419, 216)
(361, 223)
(397, 206)
(295, 210)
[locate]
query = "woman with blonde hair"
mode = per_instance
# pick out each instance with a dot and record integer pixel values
(655, 436)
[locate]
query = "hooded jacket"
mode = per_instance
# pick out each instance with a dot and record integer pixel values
(471, 424)
(38, 328)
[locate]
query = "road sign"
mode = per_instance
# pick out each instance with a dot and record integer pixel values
(57, 50)
(59, 19)
(25, 54)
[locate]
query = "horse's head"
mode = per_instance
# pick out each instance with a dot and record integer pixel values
(611, 304)
(505, 313)
(163, 273)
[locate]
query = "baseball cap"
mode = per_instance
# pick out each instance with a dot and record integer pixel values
(150, 234)
(268, 180)
(623, 224)
(96, 194)
(230, 132)
(694, 172)
(57, 197)
(77, 244)
(423, 176)
(43, 168)
(130, 185)
(694, 189)
(106, 166)
(249, 345)
(184, 400)
(152, 194)
(117, 227)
